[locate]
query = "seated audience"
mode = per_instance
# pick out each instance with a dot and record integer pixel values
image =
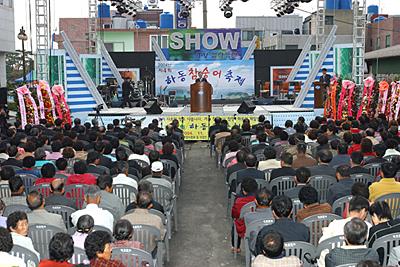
(239, 165)
(309, 197)
(273, 254)
(81, 176)
(342, 187)
(48, 171)
(250, 171)
(167, 153)
(355, 233)
(57, 196)
(40, 157)
(290, 230)
(61, 249)
(84, 226)
(379, 150)
(98, 250)
(63, 168)
(146, 186)
(324, 157)
(100, 148)
(157, 176)
(263, 207)
(28, 164)
(122, 168)
(17, 189)
(391, 145)
(39, 215)
(302, 159)
(100, 216)
(233, 149)
(6, 174)
(93, 163)
(355, 163)
(286, 167)
(387, 184)
(108, 200)
(141, 215)
(261, 142)
(3, 220)
(124, 236)
(342, 157)
(17, 224)
(270, 161)
(383, 222)
(12, 160)
(301, 179)
(138, 153)
(56, 147)
(248, 189)
(358, 208)
(6, 244)
(356, 146)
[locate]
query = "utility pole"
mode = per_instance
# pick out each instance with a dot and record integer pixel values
(204, 14)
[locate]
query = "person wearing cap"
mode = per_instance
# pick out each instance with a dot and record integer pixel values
(157, 176)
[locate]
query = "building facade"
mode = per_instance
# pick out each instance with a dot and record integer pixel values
(383, 34)
(7, 36)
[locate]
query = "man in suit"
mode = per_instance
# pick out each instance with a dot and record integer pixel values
(104, 161)
(324, 157)
(108, 200)
(286, 167)
(249, 172)
(325, 81)
(342, 187)
(93, 160)
(240, 165)
(308, 195)
(301, 179)
(262, 143)
(290, 230)
(12, 153)
(127, 88)
(356, 158)
(57, 197)
(39, 215)
(342, 158)
(200, 77)
(355, 234)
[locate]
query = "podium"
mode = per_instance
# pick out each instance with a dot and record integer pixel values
(319, 95)
(200, 97)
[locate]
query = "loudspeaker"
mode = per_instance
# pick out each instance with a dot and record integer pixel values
(247, 107)
(152, 107)
(3, 95)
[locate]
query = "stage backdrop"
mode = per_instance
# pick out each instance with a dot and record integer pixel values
(231, 79)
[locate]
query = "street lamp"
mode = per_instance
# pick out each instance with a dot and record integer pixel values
(23, 37)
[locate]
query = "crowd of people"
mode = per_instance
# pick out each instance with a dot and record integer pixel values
(253, 155)
(41, 163)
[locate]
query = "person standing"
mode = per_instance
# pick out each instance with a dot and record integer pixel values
(127, 88)
(325, 81)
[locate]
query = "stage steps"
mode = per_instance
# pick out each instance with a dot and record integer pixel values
(109, 69)
(82, 94)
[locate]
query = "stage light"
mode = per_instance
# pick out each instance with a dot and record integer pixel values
(228, 12)
(184, 13)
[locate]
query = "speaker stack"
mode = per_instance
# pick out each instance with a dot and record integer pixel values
(152, 107)
(247, 107)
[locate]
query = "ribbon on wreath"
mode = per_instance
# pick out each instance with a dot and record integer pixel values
(46, 103)
(397, 94)
(346, 100)
(62, 108)
(383, 96)
(366, 97)
(330, 103)
(27, 107)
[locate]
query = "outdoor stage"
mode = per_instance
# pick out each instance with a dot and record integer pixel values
(195, 125)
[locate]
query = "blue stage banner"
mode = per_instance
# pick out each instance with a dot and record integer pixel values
(231, 79)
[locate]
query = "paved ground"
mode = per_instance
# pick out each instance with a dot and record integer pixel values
(203, 237)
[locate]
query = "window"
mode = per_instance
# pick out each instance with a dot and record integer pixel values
(291, 47)
(387, 42)
(162, 41)
(249, 35)
(329, 20)
(378, 43)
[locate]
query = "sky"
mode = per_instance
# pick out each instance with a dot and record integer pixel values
(216, 19)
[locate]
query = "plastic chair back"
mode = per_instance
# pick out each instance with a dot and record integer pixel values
(316, 222)
(362, 178)
(331, 243)
(384, 245)
(5, 191)
(28, 256)
(163, 195)
(393, 200)
(44, 189)
(132, 257)
(79, 256)
(297, 205)
(65, 213)
(374, 169)
(146, 234)
(169, 165)
(322, 183)
(41, 235)
(15, 207)
(303, 250)
(280, 185)
(340, 204)
(28, 180)
(126, 193)
(76, 192)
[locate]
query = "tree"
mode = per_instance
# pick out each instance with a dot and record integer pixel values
(14, 66)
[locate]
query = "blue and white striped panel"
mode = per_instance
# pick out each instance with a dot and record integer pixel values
(79, 96)
(107, 73)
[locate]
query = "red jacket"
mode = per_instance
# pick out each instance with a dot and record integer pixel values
(44, 181)
(354, 148)
(50, 263)
(86, 178)
(237, 207)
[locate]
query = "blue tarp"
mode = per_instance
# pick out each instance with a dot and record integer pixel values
(29, 78)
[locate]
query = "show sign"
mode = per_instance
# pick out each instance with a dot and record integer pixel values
(210, 44)
(231, 79)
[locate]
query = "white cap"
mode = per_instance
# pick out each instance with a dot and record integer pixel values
(157, 166)
(163, 133)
